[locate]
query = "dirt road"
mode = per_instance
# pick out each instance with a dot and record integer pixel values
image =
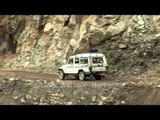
(27, 75)
(35, 76)
(43, 76)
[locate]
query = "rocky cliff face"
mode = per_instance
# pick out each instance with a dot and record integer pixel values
(41, 43)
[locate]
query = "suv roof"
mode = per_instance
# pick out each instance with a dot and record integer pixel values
(88, 54)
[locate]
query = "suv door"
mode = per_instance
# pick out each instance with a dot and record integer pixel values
(70, 66)
(76, 65)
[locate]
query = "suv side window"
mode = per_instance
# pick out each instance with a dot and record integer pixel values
(76, 60)
(84, 60)
(70, 61)
(97, 59)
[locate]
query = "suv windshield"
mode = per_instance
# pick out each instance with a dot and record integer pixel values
(97, 60)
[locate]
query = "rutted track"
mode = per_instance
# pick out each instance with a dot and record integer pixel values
(27, 75)
(51, 77)
(43, 76)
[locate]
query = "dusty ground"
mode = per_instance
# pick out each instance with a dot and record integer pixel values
(25, 88)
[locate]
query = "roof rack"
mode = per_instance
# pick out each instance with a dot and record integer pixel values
(93, 51)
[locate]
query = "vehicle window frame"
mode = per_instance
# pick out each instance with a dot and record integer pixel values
(69, 61)
(97, 59)
(84, 62)
(75, 61)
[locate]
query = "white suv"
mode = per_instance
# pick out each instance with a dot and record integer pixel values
(84, 65)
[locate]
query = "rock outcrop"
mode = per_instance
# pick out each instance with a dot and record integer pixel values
(41, 43)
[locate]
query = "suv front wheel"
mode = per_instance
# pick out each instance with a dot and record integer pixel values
(81, 75)
(61, 75)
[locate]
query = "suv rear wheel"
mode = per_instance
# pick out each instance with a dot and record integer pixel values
(98, 77)
(61, 75)
(81, 75)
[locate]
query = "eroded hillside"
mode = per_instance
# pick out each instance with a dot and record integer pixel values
(41, 43)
